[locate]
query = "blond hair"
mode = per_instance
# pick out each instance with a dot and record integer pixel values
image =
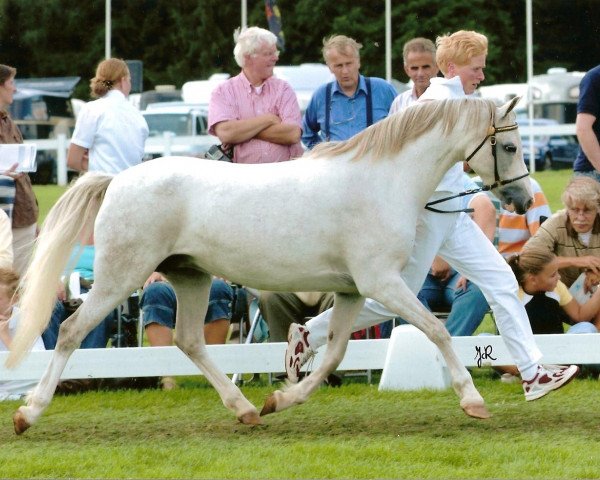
(108, 73)
(459, 48)
(390, 135)
(342, 44)
(530, 261)
(9, 280)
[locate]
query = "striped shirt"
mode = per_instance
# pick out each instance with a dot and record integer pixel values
(514, 230)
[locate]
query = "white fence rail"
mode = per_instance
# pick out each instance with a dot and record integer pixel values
(173, 145)
(268, 357)
(168, 144)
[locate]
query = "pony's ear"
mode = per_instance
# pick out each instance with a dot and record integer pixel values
(505, 109)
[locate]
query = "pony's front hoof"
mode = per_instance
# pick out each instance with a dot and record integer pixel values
(270, 405)
(250, 418)
(477, 411)
(20, 422)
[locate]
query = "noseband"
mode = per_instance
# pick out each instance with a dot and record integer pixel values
(491, 134)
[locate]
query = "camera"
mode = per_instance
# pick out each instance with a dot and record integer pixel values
(215, 152)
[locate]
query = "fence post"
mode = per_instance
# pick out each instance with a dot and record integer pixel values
(61, 160)
(168, 137)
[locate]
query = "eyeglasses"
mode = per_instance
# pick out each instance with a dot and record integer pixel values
(585, 212)
(268, 53)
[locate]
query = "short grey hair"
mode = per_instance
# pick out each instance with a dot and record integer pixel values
(248, 40)
(582, 189)
(418, 45)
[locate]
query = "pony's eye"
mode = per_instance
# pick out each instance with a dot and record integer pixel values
(509, 147)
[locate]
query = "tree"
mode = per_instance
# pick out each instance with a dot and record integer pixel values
(181, 40)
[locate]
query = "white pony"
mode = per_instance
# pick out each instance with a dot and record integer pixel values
(340, 219)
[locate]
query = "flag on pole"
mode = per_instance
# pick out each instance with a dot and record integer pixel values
(274, 19)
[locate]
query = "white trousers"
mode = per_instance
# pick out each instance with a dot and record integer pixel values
(459, 241)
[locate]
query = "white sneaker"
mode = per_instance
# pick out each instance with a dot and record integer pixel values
(548, 378)
(298, 351)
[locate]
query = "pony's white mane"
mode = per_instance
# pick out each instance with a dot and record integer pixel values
(390, 135)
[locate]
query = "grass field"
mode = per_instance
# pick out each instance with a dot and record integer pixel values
(353, 431)
(349, 432)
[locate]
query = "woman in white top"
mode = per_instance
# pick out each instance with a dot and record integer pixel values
(110, 133)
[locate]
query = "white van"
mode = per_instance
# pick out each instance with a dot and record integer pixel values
(180, 119)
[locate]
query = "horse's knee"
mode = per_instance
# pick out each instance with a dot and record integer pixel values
(438, 333)
(190, 346)
(67, 341)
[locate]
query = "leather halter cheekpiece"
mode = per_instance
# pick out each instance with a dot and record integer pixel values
(491, 134)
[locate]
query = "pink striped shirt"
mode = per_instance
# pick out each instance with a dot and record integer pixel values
(237, 99)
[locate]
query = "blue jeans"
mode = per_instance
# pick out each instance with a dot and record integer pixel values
(467, 307)
(97, 338)
(159, 304)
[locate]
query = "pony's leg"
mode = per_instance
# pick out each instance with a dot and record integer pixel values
(192, 300)
(345, 310)
(71, 333)
(399, 298)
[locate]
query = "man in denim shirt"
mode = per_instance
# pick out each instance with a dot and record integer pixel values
(341, 109)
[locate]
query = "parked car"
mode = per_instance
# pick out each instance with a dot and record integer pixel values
(180, 119)
(304, 79)
(42, 109)
(551, 151)
(162, 93)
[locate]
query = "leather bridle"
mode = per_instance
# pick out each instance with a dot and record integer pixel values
(491, 135)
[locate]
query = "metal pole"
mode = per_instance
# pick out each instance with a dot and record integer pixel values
(388, 40)
(529, 17)
(61, 160)
(107, 30)
(244, 14)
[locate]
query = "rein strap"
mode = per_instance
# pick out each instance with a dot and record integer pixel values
(491, 134)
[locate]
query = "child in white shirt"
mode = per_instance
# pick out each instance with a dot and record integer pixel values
(9, 319)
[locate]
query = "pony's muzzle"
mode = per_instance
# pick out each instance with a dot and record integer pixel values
(515, 199)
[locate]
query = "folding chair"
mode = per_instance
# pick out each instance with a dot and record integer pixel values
(252, 312)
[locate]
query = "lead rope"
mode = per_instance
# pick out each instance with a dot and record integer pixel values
(492, 130)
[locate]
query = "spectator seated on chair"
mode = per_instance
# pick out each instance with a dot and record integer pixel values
(9, 319)
(9, 314)
(514, 230)
(64, 307)
(159, 309)
(573, 234)
(549, 303)
(281, 309)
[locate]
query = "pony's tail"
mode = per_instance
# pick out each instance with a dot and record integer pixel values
(70, 219)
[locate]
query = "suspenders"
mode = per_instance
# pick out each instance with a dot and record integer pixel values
(368, 100)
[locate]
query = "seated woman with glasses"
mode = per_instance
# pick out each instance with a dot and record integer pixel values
(573, 234)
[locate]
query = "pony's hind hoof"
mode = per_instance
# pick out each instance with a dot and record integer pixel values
(270, 405)
(20, 422)
(477, 411)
